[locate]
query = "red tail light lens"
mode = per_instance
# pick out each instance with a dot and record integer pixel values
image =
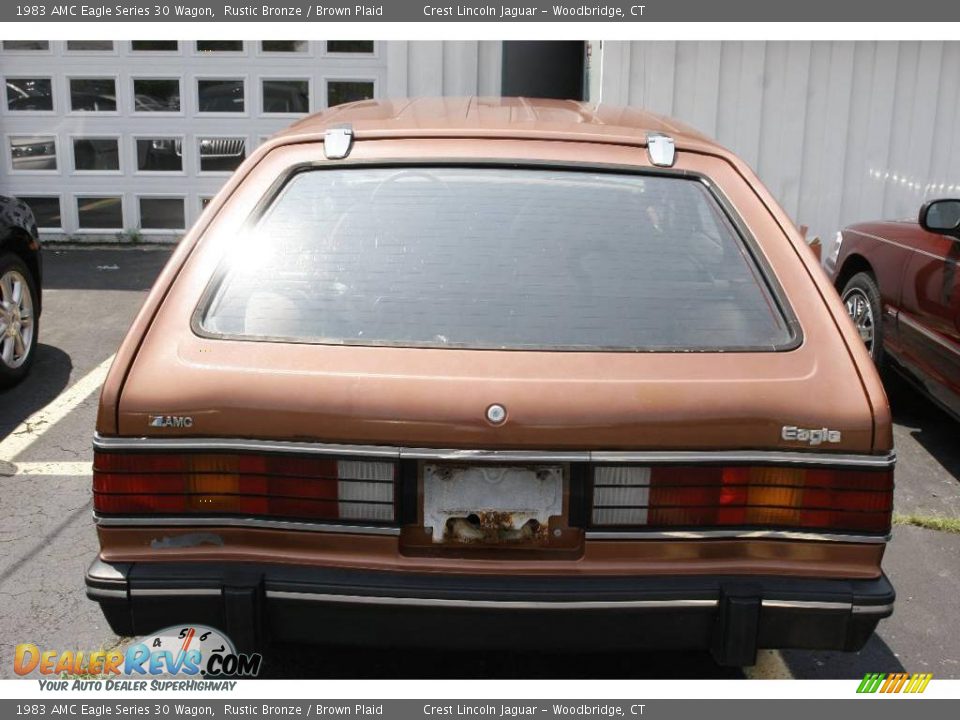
(344, 489)
(742, 496)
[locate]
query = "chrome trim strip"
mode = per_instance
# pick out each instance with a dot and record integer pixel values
(596, 456)
(805, 605)
(120, 521)
(738, 534)
(496, 604)
(211, 443)
(499, 604)
(495, 455)
(158, 592)
(745, 456)
(933, 337)
(840, 606)
(873, 609)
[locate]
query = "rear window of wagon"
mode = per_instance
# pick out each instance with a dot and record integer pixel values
(495, 258)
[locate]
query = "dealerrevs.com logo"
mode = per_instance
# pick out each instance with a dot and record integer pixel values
(190, 652)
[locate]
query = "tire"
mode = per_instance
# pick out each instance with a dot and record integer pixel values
(861, 298)
(18, 319)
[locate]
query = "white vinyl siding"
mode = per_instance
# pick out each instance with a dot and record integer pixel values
(838, 131)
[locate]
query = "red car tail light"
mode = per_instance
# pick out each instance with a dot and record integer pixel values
(344, 489)
(742, 496)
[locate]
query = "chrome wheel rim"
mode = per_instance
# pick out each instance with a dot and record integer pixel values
(861, 312)
(16, 319)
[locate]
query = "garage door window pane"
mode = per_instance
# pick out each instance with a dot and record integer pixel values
(100, 213)
(221, 154)
(26, 45)
(96, 154)
(284, 46)
(46, 210)
(350, 46)
(498, 258)
(286, 96)
(344, 91)
(220, 45)
(156, 95)
(159, 154)
(89, 45)
(33, 152)
(220, 95)
(155, 45)
(29, 94)
(93, 94)
(161, 214)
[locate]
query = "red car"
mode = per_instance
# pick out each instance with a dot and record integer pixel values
(898, 281)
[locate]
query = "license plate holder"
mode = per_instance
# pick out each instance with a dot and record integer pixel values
(491, 504)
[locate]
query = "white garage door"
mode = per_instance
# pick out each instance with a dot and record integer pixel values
(130, 139)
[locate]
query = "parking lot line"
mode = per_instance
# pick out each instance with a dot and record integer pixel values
(770, 666)
(30, 430)
(83, 469)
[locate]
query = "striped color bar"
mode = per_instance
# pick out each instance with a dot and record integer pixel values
(894, 682)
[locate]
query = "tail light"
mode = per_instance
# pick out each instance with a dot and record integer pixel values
(742, 496)
(345, 489)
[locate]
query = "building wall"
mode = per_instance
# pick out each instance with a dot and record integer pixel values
(438, 67)
(839, 131)
(137, 177)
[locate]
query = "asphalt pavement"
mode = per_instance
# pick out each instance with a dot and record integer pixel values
(48, 538)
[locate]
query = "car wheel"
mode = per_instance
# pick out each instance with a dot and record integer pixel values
(861, 297)
(18, 319)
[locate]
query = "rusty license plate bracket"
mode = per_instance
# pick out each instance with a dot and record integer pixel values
(492, 504)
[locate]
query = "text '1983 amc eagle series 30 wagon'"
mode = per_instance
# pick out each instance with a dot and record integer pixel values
(473, 371)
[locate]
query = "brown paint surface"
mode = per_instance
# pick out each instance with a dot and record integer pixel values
(598, 557)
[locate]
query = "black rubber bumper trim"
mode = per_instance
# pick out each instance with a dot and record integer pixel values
(730, 616)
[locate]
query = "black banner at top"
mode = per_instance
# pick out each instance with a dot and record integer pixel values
(479, 11)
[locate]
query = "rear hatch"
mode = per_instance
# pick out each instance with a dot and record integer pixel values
(543, 321)
(602, 310)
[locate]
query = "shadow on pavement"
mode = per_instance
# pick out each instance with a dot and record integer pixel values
(47, 379)
(103, 269)
(876, 656)
(934, 429)
(304, 661)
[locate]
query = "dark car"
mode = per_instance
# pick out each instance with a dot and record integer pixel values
(20, 275)
(899, 283)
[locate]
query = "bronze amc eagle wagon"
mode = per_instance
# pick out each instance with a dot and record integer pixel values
(495, 373)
